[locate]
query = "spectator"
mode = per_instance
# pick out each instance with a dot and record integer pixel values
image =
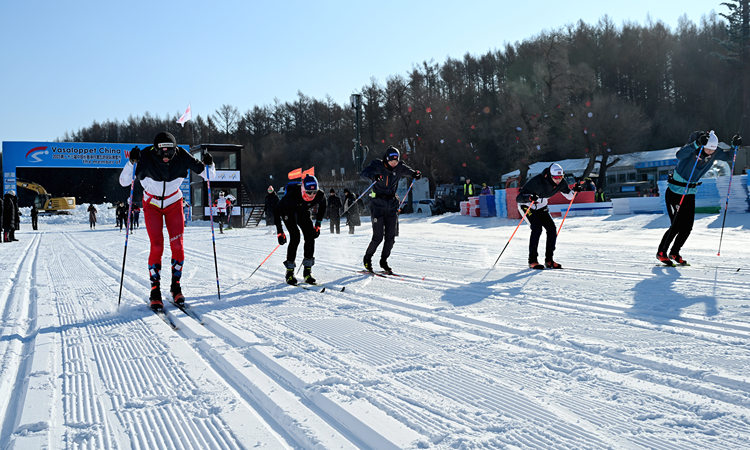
(334, 211)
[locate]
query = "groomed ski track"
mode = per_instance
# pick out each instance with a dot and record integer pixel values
(609, 352)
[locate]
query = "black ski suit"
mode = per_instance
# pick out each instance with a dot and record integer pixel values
(271, 201)
(384, 206)
(334, 212)
(538, 217)
(295, 212)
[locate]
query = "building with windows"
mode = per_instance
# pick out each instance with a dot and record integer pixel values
(227, 158)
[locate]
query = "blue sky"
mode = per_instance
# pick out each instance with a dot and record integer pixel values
(64, 64)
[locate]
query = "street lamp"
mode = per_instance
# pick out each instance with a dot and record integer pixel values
(356, 102)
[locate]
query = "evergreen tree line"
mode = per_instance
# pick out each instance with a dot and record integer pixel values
(579, 91)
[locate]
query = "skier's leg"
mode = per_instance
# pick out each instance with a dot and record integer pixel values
(684, 224)
(378, 230)
(672, 202)
(536, 231)
(294, 236)
(175, 221)
(549, 226)
(390, 237)
(154, 224)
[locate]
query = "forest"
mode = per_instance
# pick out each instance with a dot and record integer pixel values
(583, 90)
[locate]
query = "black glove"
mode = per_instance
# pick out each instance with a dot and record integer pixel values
(282, 238)
(417, 174)
(577, 188)
(208, 159)
(135, 154)
(702, 139)
(533, 197)
(316, 230)
(736, 140)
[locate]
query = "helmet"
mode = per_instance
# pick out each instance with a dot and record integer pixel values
(309, 187)
(556, 170)
(221, 193)
(392, 154)
(165, 145)
(270, 189)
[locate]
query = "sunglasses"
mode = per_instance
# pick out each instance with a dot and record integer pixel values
(557, 177)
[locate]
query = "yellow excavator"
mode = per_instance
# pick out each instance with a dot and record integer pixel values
(47, 203)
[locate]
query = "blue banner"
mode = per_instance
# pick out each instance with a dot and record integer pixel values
(92, 155)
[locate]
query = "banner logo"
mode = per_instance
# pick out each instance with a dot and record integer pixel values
(35, 152)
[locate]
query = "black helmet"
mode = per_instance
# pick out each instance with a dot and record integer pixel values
(392, 154)
(165, 145)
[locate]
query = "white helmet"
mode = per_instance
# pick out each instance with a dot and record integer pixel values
(713, 141)
(556, 170)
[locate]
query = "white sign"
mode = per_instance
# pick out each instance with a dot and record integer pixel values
(235, 211)
(226, 175)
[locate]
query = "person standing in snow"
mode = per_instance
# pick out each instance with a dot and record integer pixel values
(161, 168)
(9, 217)
(271, 201)
(34, 218)
(352, 211)
(532, 203)
(334, 211)
(694, 160)
(221, 210)
(92, 216)
(294, 209)
(386, 174)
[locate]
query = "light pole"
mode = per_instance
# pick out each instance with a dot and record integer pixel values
(356, 101)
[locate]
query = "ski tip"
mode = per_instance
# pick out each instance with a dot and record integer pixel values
(344, 287)
(322, 290)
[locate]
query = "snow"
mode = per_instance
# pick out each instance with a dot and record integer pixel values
(613, 351)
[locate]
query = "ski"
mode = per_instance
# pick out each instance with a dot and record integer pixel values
(164, 316)
(374, 274)
(318, 287)
(185, 308)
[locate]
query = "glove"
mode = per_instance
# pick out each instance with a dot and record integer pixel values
(417, 175)
(533, 197)
(736, 140)
(282, 238)
(208, 159)
(135, 154)
(317, 230)
(702, 139)
(577, 188)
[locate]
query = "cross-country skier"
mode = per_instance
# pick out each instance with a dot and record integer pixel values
(694, 160)
(386, 174)
(161, 169)
(92, 216)
(221, 210)
(294, 209)
(532, 201)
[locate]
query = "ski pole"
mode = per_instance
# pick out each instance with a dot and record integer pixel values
(514, 233)
(405, 196)
(264, 261)
(213, 235)
(127, 234)
(726, 205)
(566, 212)
(355, 201)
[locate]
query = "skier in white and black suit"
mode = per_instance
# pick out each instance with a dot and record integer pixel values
(533, 198)
(386, 174)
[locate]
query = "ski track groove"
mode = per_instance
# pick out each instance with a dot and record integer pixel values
(19, 352)
(522, 441)
(731, 384)
(158, 366)
(211, 361)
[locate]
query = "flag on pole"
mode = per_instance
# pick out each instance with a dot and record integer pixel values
(185, 117)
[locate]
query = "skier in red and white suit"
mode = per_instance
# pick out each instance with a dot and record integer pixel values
(161, 169)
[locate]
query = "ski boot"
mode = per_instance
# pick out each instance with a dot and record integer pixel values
(385, 267)
(155, 298)
(678, 259)
(290, 277)
(176, 291)
(306, 273)
(368, 264)
(550, 264)
(534, 264)
(662, 257)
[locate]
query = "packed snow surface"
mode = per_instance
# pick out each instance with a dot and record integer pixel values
(613, 351)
